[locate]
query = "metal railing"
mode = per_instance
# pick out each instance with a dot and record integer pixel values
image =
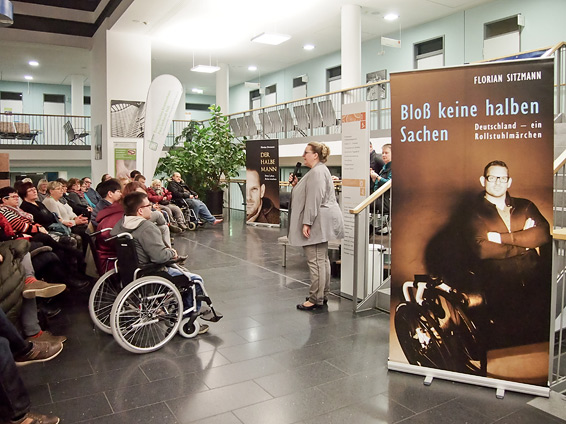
(373, 289)
(557, 371)
(313, 116)
(54, 130)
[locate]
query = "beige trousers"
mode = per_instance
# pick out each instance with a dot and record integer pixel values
(319, 267)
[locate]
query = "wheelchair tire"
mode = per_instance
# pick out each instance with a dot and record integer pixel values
(146, 314)
(189, 331)
(421, 339)
(192, 226)
(101, 300)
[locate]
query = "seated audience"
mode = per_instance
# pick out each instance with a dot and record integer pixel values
(110, 191)
(149, 245)
(14, 350)
(160, 195)
(23, 224)
(42, 189)
(155, 216)
(182, 192)
(91, 195)
(77, 199)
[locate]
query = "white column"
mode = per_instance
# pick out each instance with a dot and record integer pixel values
(77, 95)
(351, 46)
(223, 88)
(121, 70)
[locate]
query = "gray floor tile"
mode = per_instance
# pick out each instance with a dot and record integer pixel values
(156, 413)
(286, 409)
(240, 371)
(217, 401)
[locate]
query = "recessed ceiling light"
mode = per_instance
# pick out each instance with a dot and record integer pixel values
(391, 17)
(271, 38)
(252, 68)
(308, 47)
(28, 77)
(33, 63)
(197, 90)
(207, 69)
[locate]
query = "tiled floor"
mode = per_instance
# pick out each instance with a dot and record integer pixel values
(264, 363)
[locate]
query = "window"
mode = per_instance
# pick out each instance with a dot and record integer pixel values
(502, 37)
(54, 98)
(11, 102)
(255, 99)
(333, 77)
(197, 106)
(300, 87)
(429, 54)
(86, 100)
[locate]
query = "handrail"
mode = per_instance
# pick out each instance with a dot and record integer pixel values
(559, 162)
(554, 49)
(368, 201)
(344, 90)
(42, 115)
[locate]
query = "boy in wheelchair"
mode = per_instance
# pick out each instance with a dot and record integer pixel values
(151, 249)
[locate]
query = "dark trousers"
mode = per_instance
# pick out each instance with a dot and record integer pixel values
(14, 398)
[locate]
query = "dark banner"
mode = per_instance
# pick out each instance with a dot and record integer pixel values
(262, 182)
(472, 211)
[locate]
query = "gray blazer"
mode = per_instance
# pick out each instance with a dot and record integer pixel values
(313, 203)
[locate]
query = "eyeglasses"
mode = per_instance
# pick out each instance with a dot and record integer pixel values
(306, 151)
(15, 196)
(146, 206)
(493, 179)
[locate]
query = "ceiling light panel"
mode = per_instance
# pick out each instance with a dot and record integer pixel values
(271, 38)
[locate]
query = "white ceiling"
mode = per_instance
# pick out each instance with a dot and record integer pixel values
(216, 31)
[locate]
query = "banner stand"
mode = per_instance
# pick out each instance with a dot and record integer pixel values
(262, 224)
(499, 385)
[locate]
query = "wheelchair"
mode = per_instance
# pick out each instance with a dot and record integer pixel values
(143, 307)
(434, 328)
(191, 217)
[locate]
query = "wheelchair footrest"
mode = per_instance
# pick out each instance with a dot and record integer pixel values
(211, 315)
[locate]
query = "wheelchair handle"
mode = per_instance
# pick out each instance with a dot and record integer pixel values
(99, 232)
(125, 234)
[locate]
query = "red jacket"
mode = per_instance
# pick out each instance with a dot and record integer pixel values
(107, 218)
(156, 198)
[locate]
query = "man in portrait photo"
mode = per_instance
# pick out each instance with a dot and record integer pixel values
(258, 207)
(510, 240)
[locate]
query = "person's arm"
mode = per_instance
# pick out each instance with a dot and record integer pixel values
(535, 231)
(153, 245)
(153, 196)
(487, 249)
(314, 193)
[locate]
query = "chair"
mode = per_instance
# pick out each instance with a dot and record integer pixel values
(265, 123)
(328, 114)
(251, 126)
(276, 122)
(24, 133)
(315, 117)
(235, 127)
(72, 136)
(302, 119)
(7, 130)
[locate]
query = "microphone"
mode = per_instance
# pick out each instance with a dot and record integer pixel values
(297, 170)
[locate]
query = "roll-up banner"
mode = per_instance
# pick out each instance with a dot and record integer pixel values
(472, 210)
(262, 182)
(162, 100)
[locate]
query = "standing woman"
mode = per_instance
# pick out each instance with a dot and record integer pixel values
(315, 218)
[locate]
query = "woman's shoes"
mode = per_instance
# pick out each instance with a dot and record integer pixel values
(324, 302)
(303, 307)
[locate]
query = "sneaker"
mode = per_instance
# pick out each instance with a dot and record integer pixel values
(35, 418)
(217, 221)
(175, 229)
(183, 226)
(40, 352)
(37, 288)
(203, 328)
(46, 336)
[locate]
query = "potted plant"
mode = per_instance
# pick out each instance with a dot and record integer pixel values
(203, 154)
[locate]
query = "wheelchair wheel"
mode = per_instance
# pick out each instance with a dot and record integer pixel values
(468, 346)
(102, 298)
(146, 314)
(189, 331)
(192, 226)
(421, 339)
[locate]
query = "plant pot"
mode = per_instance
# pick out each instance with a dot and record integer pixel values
(215, 201)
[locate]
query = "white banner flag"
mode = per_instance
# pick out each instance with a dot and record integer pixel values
(162, 100)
